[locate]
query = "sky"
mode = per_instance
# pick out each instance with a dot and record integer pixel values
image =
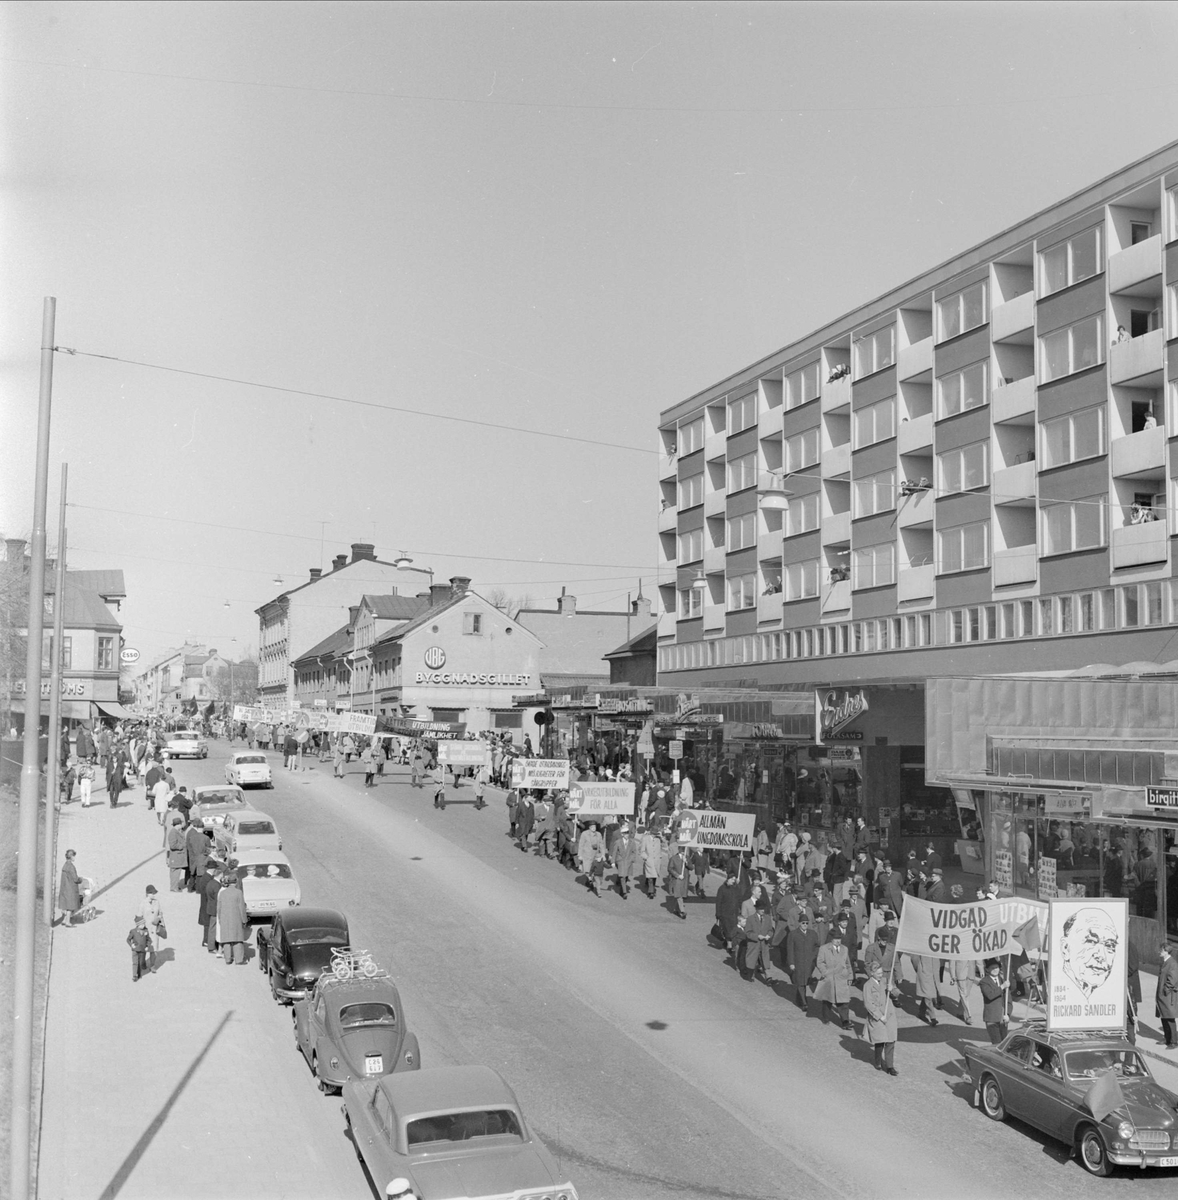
(425, 275)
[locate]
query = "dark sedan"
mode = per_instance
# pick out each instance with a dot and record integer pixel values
(295, 947)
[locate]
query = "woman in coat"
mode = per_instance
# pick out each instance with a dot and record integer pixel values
(677, 882)
(651, 851)
(69, 894)
(591, 852)
(833, 971)
(881, 1019)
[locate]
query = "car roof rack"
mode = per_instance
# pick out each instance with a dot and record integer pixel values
(1039, 1028)
(328, 979)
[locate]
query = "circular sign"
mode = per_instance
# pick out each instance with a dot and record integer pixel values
(435, 657)
(129, 655)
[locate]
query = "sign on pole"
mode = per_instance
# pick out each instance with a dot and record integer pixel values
(600, 799)
(723, 830)
(464, 754)
(1087, 964)
(542, 773)
(675, 749)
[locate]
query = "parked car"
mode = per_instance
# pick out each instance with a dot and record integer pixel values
(1042, 1078)
(295, 947)
(267, 882)
(450, 1131)
(249, 768)
(212, 803)
(354, 1028)
(245, 829)
(186, 743)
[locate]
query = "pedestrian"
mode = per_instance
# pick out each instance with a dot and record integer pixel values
(627, 860)
(232, 920)
(416, 766)
(525, 817)
(1167, 995)
(994, 1001)
(834, 974)
(650, 850)
(545, 825)
(677, 887)
(116, 765)
(437, 777)
(881, 1019)
(927, 992)
(69, 893)
(480, 785)
(758, 937)
(379, 757)
(728, 901)
(801, 958)
(1132, 992)
(159, 792)
(152, 913)
(85, 781)
(140, 942)
(207, 916)
(591, 857)
(512, 808)
(339, 758)
(369, 761)
(196, 845)
(177, 853)
(349, 747)
(290, 751)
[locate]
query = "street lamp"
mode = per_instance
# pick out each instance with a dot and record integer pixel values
(403, 560)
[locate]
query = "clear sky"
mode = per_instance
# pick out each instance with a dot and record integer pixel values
(557, 217)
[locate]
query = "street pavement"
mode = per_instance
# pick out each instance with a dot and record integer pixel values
(649, 1067)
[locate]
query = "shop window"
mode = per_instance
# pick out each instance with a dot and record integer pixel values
(511, 720)
(450, 715)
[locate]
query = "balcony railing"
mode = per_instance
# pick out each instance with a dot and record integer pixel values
(713, 616)
(1137, 358)
(1140, 455)
(1138, 545)
(769, 608)
(668, 466)
(836, 528)
(915, 583)
(715, 503)
(836, 394)
(1014, 401)
(915, 360)
(668, 518)
(1014, 320)
(915, 511)
(769, 545)
(836, 596)
(916, 435)
(1135, 264)
(836, 461)
(1015, 485)
(1018, 564)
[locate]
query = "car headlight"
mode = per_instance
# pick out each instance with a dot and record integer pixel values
(1124, 1130)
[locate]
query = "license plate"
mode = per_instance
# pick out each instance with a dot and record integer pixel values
(374, 1064)
(266, 904)
(1168, 1162)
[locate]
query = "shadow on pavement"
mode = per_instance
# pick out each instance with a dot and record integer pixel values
(130, 871)
(127, 1166)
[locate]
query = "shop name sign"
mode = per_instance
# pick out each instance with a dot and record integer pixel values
(969, 932)
(836, 710)
(1161, 797)
(608, 705)
(723, 830)
(476, 678)
(69, 687)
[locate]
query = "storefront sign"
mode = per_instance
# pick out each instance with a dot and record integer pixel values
(472, 678)
(691, 719)
(1087, 964)
(435, 658)
(464, 754)
(1071, 805)
(724, 831)
(613, 706)
(835, 710)
(540, 773)
(1045, 878)
(128, 654)
(984, 929)
(69, 687)
(1161, 797)
(595, 799)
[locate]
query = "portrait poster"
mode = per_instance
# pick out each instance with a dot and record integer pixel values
(1087, 963)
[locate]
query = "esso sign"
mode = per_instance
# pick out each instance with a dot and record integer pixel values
(129, 655)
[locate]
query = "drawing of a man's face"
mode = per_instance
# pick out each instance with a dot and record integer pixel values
(1089, 947)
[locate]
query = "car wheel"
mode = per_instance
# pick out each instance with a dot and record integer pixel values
(1092, 1153)
(990, 1099)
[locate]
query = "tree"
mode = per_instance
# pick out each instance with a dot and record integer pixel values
(245, 683)
(14, 618)
(509, 605)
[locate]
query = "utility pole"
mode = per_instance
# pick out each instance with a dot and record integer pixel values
(20, 1176)
(52, 786)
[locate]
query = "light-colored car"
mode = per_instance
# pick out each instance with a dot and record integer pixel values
(213, 802)
(246, 829)
(267, 881)
(186, 743)
(249, 768)
(450, 1131)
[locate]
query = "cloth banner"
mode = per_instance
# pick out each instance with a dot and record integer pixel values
(966, 932)
(592, 798)
(541, 773)
(718, 830)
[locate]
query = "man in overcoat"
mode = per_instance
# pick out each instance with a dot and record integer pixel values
(1167, 995)
(626, 859)
(232, 921)
(801, 957)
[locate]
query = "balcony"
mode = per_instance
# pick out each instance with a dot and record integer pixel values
(715, 443)
(715, 503)
(836, 528)
(769, 545)
(836, 395)
(668, 519)
(714, 560)
(836, 596)
(1128, 269)
(915, 511)
(668, 466)
(769, 422)
(769, 608)
(1138, 360)
(1015, 485)
(915, 583)
(1014, 321)
(713, 617)
(1138, 545)
(1014, 402)
(666, 625)
(1140, 455)
(915, 360)
(836, 462)
(916, 436)
(1019, 564)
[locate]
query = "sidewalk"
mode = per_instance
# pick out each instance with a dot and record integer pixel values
(187, 1083)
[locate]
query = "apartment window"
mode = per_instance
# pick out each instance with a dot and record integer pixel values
(1130, 609)
(1078, 435)
(964, 311)
(874, 493)
(1108, 608)
(1151, 601)
(742, 532)
(963, 548)
(874, 566)
(691, 491)
(472, 623)
(1008, 615)
(990, 622)
(875, 423)
(962, 390)
(1026, 618)
(1086, 612)
(1066, 613)
(965, 468)
(691, 436)
(874, 351)
(1073, 348)
(1172, 311)
(742, 592)
(801, 450)
(957, 625)
(1071, 261)
(808, 642)
(1046, 624)
(691, 545)
(801, 580)
(106, 654)
(1076, 525)
(802, 514)
(691, 603)
(742, 413)
(742, 473)
(802, 386)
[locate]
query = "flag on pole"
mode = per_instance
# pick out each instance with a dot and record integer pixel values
(1104, 1096)
(1027, 934)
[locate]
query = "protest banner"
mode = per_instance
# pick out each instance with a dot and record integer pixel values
(1087, 964)
(978, 930)
(723, 831)
(437, 731)
(601, 799)
(542, 773)
(464, 754)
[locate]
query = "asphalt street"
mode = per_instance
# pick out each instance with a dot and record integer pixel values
(651, 1069)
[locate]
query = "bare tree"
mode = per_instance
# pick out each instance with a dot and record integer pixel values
(510, 605)
(245, 683)
(14, 618)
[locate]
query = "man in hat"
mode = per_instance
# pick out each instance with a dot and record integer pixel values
(994, 1001)
(546, 826)
(883, 949)
(934, 887)
(1167, 995)
(677, 887)
(626, 859)
(209, 887)
(888, 891)
(801, 957)
(232, 919)
(152, 912)
(728, 901)
(197, 843)
(140, 942)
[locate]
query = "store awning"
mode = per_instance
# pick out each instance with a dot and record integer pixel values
(71, 710)
(111, 708)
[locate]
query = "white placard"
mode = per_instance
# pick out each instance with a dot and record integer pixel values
(600, 799)
(1087, 964)
(542, 773)
(464, 754)
(723, 830)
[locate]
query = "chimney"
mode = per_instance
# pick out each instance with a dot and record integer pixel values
(15, 549)
(363, 550)
(566, 604)
(316, 572)
(340, 560)
(439, 593)
(641, 606)
(353, 610)
(459, 585)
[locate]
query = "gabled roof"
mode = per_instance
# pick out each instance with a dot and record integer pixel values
(338, 642)
(108, 583)
(84, 609)
(395, 608)
(355, 562)
(435, 610)
(645, 642)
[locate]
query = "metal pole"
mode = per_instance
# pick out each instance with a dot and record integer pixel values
(52, 786)
(30, 782)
